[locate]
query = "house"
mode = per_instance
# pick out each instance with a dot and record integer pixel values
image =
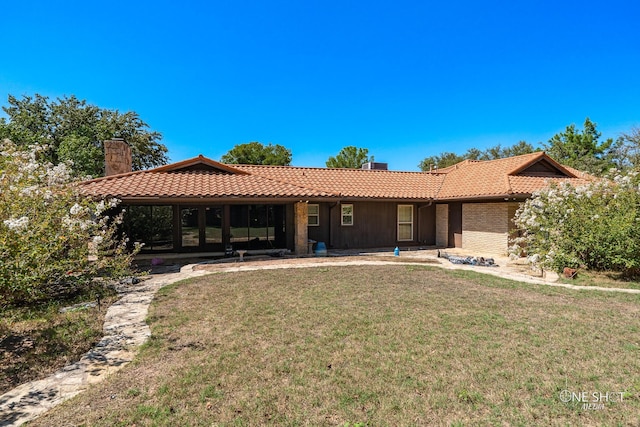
(202, 205)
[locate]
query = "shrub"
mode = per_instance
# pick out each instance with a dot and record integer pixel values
(52, 240)
(596, 226)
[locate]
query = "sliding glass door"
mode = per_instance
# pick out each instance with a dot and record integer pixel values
(257, 226)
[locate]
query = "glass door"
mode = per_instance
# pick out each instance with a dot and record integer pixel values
(213, 228)
(190, 227)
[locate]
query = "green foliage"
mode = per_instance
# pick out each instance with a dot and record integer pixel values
(52, 240)
(442, 160)
(582, 149)
(350, 157)
(499, 152)
(86, 157)
(255, 153)
(151, 225)
(74, 131)
(596, 226)
(447, 158)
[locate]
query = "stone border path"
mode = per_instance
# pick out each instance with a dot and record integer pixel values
(125, 328)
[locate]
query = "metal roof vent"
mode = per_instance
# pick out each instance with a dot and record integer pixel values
(375, 166)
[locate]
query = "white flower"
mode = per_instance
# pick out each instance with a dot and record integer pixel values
(100, 207)
(75, 209)
(17, 224)
(30, 190)
(59, 174)
(97, 240)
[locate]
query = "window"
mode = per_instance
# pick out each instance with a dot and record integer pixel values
(347, 214)
(314, 215)
(252, 226)
(151, 225)
(190, 226)
(405, 222)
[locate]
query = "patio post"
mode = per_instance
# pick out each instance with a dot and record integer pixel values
(301, 235)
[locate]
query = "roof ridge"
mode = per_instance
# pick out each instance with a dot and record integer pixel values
(437, 192)
(330, 169)
(200, 159)
(508, 182)
(537, 157)
(533, 154)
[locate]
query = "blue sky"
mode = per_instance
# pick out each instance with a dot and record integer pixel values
(405, 79)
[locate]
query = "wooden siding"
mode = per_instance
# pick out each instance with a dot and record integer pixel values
(426, 215)
(321, 232)
(375, 224)
(455, 224)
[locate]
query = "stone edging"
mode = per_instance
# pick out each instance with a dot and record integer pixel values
(125, 330)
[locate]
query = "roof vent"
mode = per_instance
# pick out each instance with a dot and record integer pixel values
(375, 166)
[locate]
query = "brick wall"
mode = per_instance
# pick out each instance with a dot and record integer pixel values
(442, 225)
(486, 226)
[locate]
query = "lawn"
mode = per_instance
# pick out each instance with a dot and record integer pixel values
(384, 345)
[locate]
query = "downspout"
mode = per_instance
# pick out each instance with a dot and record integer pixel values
(419, 216)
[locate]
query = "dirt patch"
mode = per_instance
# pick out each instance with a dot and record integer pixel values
(270, 261)
(36, 343)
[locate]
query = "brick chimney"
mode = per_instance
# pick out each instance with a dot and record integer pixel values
(117, 157)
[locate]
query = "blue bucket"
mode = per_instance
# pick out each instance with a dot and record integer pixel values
(321, 249)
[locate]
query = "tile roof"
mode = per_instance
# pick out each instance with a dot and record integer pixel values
(501, 177)
(201, 177)
(194, 184)
(354, 183)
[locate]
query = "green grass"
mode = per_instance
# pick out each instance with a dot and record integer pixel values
(602, 279)
(384, 345)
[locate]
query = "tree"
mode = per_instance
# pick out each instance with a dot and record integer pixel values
(53, 240)
(73, 130)
(350, 157)
(442, 160)
(498, 152)
(254, 153)
(627, 150)
(582, 149)
(447, 159)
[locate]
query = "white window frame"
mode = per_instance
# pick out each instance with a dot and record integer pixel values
(400, 207)
(315, 215)
(344, 215)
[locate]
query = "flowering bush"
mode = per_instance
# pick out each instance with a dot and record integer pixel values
(596, 226)
(52, 239)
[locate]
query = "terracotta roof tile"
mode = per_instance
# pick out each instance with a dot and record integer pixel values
(525, 185)
(194, 185)
(201, 177)
(354, 183)
(495, 178)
